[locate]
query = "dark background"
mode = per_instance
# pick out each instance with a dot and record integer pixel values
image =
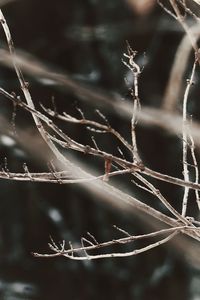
(86, 39)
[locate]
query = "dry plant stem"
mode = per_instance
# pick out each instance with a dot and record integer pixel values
(189, 133)
(190, 33)
(120, 200)
(25, 90)
(95, 245)
(136, 167)
(115, 192)
(141, 205)
(148, 116)
(135, 69)
(98, 184)
(170, 179)
(174, 85)
(50, 177)
(185, 139)
(192, 148)
(61, 252)
(90, 150)
(69, 143)
(55, 177)
(181, 20)
(30, 103)
(119, 195)
(158, 194)
(104, 128)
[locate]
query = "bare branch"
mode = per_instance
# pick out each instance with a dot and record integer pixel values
(105, 128)
(67, 253)
(70, 173)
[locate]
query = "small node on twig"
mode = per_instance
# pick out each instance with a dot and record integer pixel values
(87, 149)
(108, 164)
(25, 85)
(13, 94)
(54, 172)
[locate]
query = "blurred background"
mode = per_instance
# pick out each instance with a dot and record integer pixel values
(85, 41)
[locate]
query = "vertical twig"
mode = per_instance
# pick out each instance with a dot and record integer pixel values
(136, 71)
(158, 194)
(185, 139)
(192, 148)
(179, 65)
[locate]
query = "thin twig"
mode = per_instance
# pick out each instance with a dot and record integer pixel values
(185, 139)
(136, 71)
(192, 150)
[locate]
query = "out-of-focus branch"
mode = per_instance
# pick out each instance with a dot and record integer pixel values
(181, 20)
(196, 1)
(147, 116)
(175, 82)
(5, 2)
(70, 143)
